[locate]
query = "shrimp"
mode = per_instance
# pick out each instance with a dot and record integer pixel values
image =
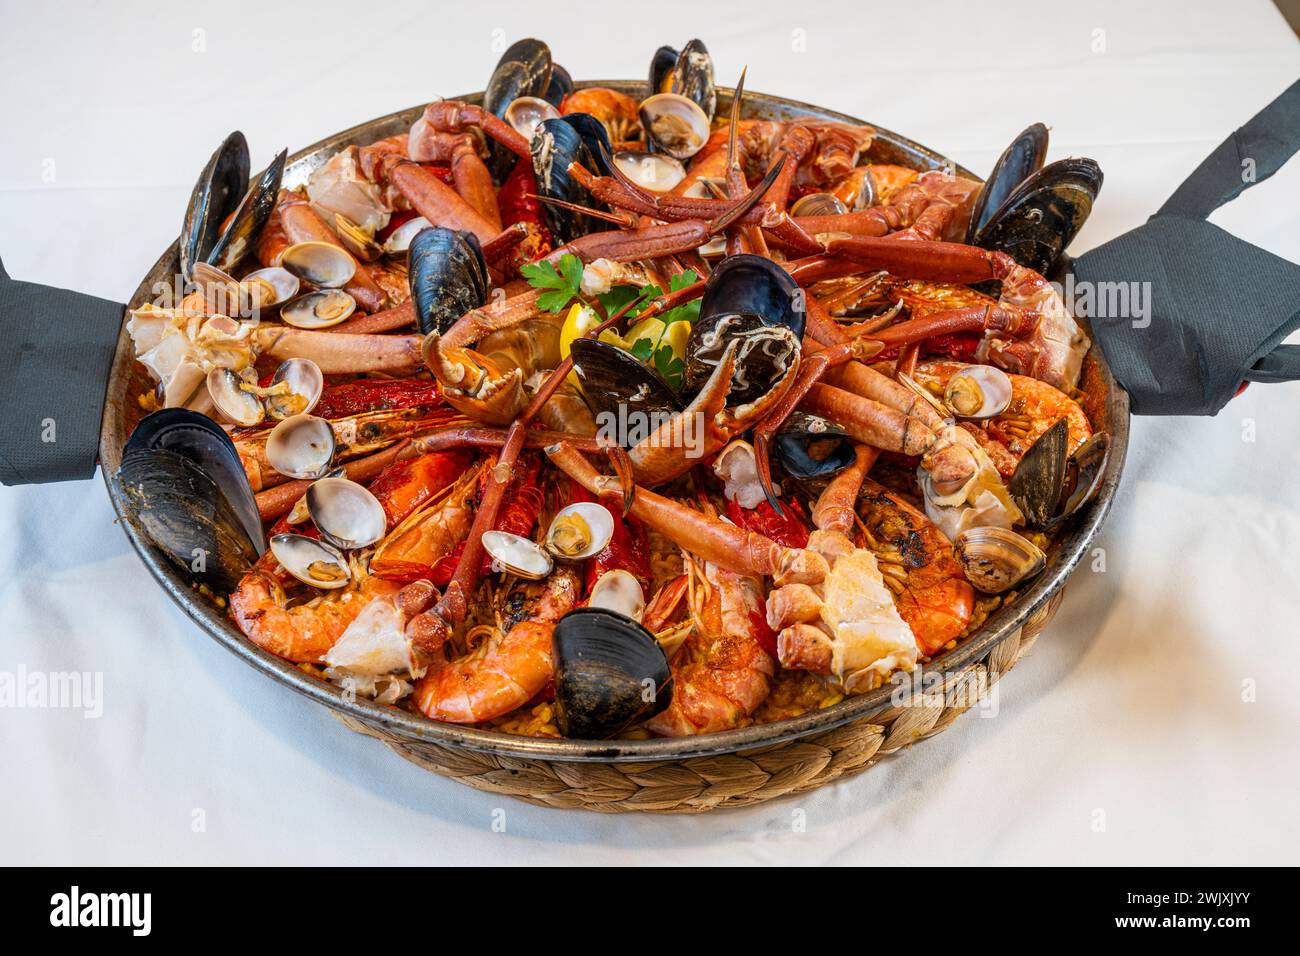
(722, 673)
(506, 670)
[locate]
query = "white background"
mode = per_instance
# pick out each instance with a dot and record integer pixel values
(1124, 737)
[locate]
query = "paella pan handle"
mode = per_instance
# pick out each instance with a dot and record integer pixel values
(54, 369)
(1213, 308)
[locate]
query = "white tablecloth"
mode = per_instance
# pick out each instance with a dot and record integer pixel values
(1155, 722)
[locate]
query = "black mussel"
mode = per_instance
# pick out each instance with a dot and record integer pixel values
(561, 85)
(626, 395)
(692, 77)
(448, 277)
(523, 70)
(253, 212)
(764, 354)
(1044, 213)
(1024, 157)
(220, 187)
(1050, 484)
(556, 144)
(661, 64)
(610, 672)
(809, 446)
(754, 285)
(183, 487)
(595, 137)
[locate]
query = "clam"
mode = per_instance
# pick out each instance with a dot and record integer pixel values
(295, 388)
(518, 555)
(609, 673)
(448, 277)
(1050, 484)
(619, 591)
(311, 561)
(996, 559)
(322, 264)
(656, 172)
(399, 240)
(267, 288)
(235, 402)
(675, 124)
(319, 309)
(579, 531)
(979, 391)
(356, 240)
(221, 291)
(525, 114)
(809, 446)
(346, 514)
(819, 204)
(1018, 162)
(301, 446)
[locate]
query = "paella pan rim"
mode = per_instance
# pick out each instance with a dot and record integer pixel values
(1065, 554)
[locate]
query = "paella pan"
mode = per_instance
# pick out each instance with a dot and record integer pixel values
(614, 421)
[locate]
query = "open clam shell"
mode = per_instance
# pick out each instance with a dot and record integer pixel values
(301, 446)
(235, 403)
(819, 204)
(268, 288)
(311, 561)
(656, 172)
(346, 514)
(305, 383)
(609, 672)
(525, 113)
(579, 531)
(319, 309)
(518, 555)
(995, 560)
(619, 591)
(399, 240)
(675, 124)
(979, 391)
(322, 264)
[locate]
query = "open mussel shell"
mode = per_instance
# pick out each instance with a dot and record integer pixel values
(1020, 160)
(661, 66)
(399, 240)
(235, 403)
(595, 137)
(252, 214)
(346, 514)
(674, 124)
(618, 591)
(579, 531)
(448, 277)
(656, 172)
(206, 443)
(764, 354)
(305, 383)
(518, 555)
(311, 561)
(301, 446)
(525, 114)
(809, 446)
(524, 69)
(219, 188)
(556, 145)
(609, 673)
(1050, 484)
(819, 204)
(318, 309)
(1084, 472)
(322, 264)
(755, 285)
(995, 559)
(618, 386)
(979, 391)
(1042, 216)
(561, 85)
(692, 77)
(267, 288)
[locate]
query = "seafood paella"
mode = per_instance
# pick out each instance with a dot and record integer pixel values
(583, 414)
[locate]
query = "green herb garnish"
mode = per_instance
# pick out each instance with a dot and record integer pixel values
(563, 285)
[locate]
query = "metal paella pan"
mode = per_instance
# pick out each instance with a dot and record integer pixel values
(1104, 401)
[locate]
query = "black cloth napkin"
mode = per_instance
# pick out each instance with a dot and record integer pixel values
(1218, 307)
(54, 365)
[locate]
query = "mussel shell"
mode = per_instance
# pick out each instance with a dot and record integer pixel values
(995, 560)
(619, 387)
(809, 446)
(610, 672)
(556, 144)
(661, 65)
(448, 276)
(1040, 476)
(1042, 216)
(762, 358)
(177, 505)
(523, 70)
(303, 556)
(220, 187)
(757, 286)
(692, 77)
(200, 439)
(561, 85)
(596, 138)
(346, 514)
(1020, 160)
(1083, 476)
(252, 215)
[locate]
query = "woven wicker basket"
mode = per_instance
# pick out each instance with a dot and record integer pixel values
(731, 769)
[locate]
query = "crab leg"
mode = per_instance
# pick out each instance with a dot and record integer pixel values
(834, 510)
(436, 201)
(338, 354)
(870, 421)
(468, 171)
(301, 224)
(452, 116)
